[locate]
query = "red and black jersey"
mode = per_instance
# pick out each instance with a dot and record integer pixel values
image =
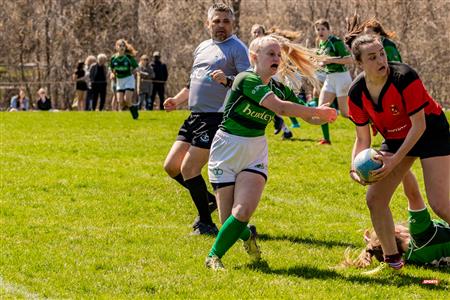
(402, 96)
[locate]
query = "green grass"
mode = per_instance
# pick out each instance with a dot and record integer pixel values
(87, 211)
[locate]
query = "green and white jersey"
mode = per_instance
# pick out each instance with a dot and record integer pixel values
(123, 65)
(391, 50)
(333, 47)
(430, 240)
(243, 114)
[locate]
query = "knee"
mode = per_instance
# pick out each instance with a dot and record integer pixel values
(171, 169)
(190, 170)
(374, 203)
(242, 213)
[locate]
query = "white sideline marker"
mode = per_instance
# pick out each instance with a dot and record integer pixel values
(17, 289)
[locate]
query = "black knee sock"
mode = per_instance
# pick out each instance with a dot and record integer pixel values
(199, 194)
(180, 180)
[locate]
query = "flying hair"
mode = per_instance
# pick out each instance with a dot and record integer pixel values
(295, 59)
(355, 28)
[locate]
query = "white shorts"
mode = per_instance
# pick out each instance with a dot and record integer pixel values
(338, 83)
(231, 154)
(127, 83)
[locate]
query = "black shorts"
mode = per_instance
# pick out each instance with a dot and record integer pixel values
(199, 129)
(81, 86)
(435, 141)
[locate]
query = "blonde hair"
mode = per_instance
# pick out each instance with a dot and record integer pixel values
(102, 56)
(373, 248)
(289, 34)
(91, 59)
(294, 59)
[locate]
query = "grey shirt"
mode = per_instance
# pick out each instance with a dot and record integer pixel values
(230, 56)
(146, 75)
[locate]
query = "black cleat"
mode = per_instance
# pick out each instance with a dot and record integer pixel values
(287, 135)
(202, 228)
(278, 124)
(134, 109)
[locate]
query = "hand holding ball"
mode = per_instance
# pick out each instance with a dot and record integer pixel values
(365, 162)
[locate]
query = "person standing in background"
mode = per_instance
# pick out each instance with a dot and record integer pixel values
(160, 79)
(97, 74)
(79, 76)
(145, 76)
(88, 63)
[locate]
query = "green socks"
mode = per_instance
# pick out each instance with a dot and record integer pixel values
(326, 131)
(231, 231)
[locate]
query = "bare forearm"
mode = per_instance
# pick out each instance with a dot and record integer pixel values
(340, 60)
(290, 109)
(182, 96)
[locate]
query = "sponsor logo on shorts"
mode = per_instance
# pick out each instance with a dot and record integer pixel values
(217, 171)
(260, 166)
(204, 138)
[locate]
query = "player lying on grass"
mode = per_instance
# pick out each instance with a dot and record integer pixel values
(238, 162)
(425, 242)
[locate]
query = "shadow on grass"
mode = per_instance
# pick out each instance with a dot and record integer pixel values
(303, 240)
(300, 140)
(308, 272)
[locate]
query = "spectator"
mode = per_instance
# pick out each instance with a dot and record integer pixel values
(145, 76)
(159, 82)
(89, 62)
(79, 76)
(97, 74)
(20, 102)
(43, 103)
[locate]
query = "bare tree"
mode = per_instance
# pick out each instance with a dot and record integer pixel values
(46, 38)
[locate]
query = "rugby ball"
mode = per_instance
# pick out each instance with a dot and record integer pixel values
(365, 162)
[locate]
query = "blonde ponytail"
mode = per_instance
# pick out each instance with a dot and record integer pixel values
(298, 59)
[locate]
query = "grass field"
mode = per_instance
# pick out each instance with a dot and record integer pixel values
(87, 212)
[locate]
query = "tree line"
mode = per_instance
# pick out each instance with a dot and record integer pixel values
(42, 40)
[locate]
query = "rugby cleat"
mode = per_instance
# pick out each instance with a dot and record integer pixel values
(134, 109)
(250, 245)
(383, 270)
(287, 135)
(214, 262)
(324, 142)
(201, 228)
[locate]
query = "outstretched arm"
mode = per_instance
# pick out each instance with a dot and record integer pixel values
(314, 115)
